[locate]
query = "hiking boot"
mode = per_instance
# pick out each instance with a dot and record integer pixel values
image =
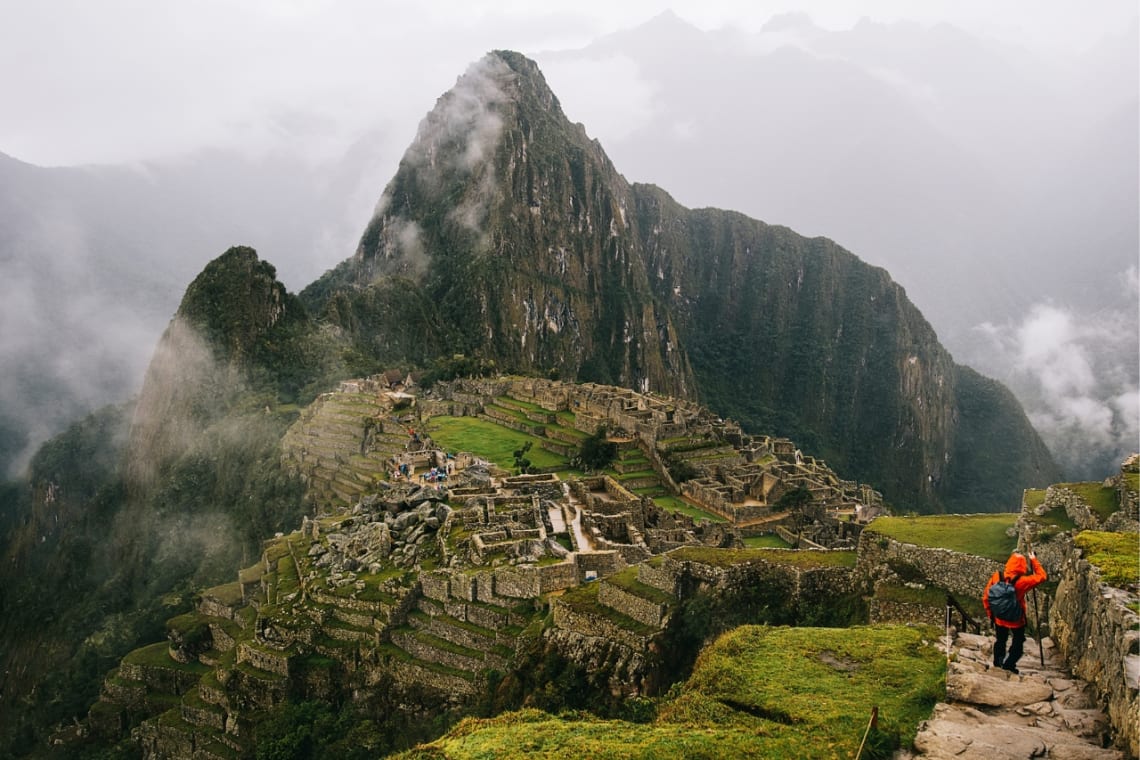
(1012, 669)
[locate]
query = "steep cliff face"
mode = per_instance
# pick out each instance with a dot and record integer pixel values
(507, 233)
(799, 335)
(513, 231)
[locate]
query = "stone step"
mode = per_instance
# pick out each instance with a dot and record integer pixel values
(170, 735)
(456, 683)
(994, 714)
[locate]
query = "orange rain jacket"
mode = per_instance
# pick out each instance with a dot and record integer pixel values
(1015, 566)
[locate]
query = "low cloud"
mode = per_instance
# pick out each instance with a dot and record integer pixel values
(1076, 375)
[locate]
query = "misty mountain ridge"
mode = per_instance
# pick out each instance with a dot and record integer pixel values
(960, 164)
(508, 237)
(961, 219)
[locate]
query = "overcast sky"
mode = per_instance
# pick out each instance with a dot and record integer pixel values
(124, 80)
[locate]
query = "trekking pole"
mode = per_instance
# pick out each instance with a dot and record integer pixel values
(1036, 613)
(947, 645)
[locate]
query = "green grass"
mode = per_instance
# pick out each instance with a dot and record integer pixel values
(1034, 497)
(802, 558)
(675, 504)
(1132, 481)
(228, 593)
(1116, 554)
(627, 580)
(757, 692)
(1052, 523)
(982, 535)
(158, 656)
(770, 541)
(929, 596)
(1101, 500)
(528, 405)
(584, 600)
(490, 441)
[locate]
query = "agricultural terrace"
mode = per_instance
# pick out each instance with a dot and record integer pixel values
(983, 535)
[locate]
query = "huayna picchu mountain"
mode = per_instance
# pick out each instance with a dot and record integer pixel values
(508, 234)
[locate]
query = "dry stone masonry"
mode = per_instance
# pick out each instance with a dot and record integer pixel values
(428, 586)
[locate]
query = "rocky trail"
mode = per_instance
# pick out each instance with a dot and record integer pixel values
(991, 714)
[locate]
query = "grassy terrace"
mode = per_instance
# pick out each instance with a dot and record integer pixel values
(158, 656)
(1116, 554)
(929, 596)
(677, 504)
(584, 600)
(470, 627)
(802, 558)
(627, 580)
(770, 541)
(490, 441)
(228, 593)
(981, 535)
(394, 652)
(757, 692)
(1100, 499)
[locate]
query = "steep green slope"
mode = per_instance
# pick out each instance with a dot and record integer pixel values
(132, 508)
(756, 692)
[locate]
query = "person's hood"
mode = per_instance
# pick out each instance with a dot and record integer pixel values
(1016, 565)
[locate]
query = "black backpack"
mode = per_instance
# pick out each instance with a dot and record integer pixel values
(1002, 597)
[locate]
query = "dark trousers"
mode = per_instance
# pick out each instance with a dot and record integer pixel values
(1001, 659)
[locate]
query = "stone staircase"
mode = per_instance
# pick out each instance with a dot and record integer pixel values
(634, 472)
(990, 714)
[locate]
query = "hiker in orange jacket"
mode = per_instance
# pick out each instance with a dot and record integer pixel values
(1016, 574)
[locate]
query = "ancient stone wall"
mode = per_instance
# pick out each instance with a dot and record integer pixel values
(556, 577)
(630, 669)
(602, 563)
(1074, 506)
(598, 626)
(269, 661)
(1099, 636)
(642, 610)
(963, 575)
(518, 583)
(436, 585)
(164, 680)
(883, 611)
(424, 651)
(409, 675)
(659, 577)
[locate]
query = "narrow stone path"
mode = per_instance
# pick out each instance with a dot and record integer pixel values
(990, 714)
